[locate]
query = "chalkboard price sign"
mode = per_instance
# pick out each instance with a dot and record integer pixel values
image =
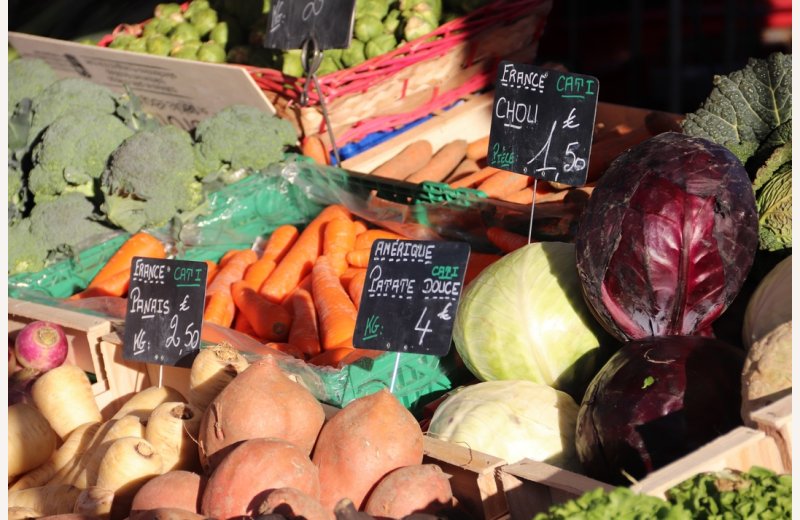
(411, 295)
(291, 22)
(164, 316)
(542, 122)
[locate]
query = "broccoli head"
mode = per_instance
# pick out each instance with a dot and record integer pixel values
(241, 137)
(73, 151)
(27, 77)
(66, 95)
(17, 194)
(65, 222)
(26, 253)
(150, 179)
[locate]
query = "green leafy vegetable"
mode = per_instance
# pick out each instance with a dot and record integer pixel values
(619, 503)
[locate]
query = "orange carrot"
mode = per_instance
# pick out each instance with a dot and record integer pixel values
(286, 348)
(365, 239)
(412, 158)
(232, 270)
(304, 333)
(213, 268)
(506, 241)
(270, 321)
(523, 196)
(359, 226)
(464, 168)
(258, 271)
(280, 241)
(348, 275)
(220, 309)
(478, 149)
(331, 358)
(227, 256)
(241, 324)
(473, 179)
(442, 163)
(358, 257)
(339, 238)
(336, 312)
(299, 260)
(314, 148)
(477, 263)
(114, 285)
(356, 287)
(503, 183)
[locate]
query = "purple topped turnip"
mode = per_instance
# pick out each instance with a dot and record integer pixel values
(656, 400)
(667, 238)
(41, 345)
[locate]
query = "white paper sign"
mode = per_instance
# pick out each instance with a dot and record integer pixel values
(179, 92)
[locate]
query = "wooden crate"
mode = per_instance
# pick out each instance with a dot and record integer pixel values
(776, 421)
(83, 333)
(532, 487)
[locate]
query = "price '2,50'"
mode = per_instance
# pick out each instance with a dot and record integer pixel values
(189, 340)
(572, 163)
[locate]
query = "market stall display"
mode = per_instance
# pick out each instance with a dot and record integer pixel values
(601, 313)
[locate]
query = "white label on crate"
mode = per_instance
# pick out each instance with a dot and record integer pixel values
(180, 92)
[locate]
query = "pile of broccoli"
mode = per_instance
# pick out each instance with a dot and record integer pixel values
(85, 162)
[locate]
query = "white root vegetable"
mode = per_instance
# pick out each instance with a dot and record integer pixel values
(22, 513)
(48, 500)
(212, 370)
(124, 427)
(145, 401)
(31, 440)
(95, 502)
(72, 449)
(64, 396)
(127, 465)
(172, 429)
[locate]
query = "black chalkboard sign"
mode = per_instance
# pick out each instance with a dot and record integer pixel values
(411, 295)
(542, 122)
(292, 22)
(164, 316)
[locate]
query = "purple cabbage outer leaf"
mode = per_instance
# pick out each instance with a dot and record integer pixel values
(656, 400)
(667, 238)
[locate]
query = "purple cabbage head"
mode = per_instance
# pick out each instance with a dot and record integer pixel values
(667, 237)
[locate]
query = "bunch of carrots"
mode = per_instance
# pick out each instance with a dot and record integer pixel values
(463, 165)
(301, 294)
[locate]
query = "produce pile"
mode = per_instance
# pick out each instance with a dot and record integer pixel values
(83, 162)
(246, 440)
(231, 31)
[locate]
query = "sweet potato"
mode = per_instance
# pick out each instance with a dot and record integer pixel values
(294, 504)
(166, 513)
(358, 446)
(421, 488)
(244, 478)
(260, 402)
(175, 489)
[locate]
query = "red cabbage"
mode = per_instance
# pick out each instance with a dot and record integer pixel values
(667, 238)
(656, 400)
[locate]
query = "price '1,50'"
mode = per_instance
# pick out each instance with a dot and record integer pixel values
(189, 340)
(572, 162)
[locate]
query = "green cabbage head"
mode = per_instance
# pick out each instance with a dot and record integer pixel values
(524, 317)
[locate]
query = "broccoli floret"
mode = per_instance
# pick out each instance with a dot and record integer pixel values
(26, 253)
(73, 151)
(27, 77)
(241, 137)
(17, 194)
(66, 222)
(150, 179)
(66, 95)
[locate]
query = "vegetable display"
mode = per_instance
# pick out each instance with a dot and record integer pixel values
(656, 400)
(667, 238)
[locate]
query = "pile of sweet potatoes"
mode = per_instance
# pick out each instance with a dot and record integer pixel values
(247, 441)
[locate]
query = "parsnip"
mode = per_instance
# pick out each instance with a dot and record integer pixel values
(64, 396)
(69, 473)
(124, 427)
(212, 370)
(172, 429)
(22, 513)
(95, 502)
(72, 449)
(145, 401)
(31, 440)
(127, 465)
(48, 500)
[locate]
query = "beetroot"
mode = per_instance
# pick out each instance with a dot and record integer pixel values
(656, 400)
(667, 238)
